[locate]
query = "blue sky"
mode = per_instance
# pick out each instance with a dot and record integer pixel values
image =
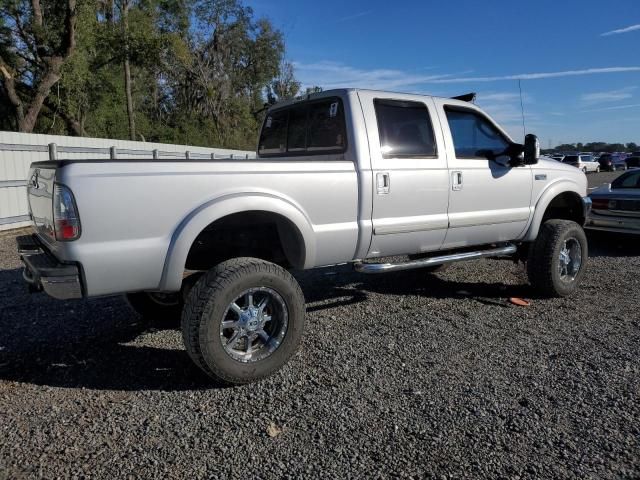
(579, 61)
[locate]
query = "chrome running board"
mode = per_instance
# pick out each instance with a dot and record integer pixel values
(503, 251)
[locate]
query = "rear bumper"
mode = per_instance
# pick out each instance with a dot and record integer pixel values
(43, 271)
(614, 224)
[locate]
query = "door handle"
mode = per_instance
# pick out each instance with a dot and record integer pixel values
(456, 180)
(383, 183)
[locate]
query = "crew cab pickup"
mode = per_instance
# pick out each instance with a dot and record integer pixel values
(340, 176)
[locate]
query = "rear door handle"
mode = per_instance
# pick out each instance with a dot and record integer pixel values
(456, 180)
(383, 183)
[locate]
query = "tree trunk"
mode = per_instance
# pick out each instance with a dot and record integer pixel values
(127, 87)
(28, 122)
(51, 65)
(127, 71)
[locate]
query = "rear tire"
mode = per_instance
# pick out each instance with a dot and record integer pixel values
(243, 320)
(558, 258)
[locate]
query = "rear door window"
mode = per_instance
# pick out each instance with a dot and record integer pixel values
(308, 128)
(405, 129)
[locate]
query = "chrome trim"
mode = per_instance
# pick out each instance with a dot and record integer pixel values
(62, 288)
(586, 208)
(506, 250)
(17, 219)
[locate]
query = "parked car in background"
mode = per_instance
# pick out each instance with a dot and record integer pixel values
(612, 162)
(559, 158)
(633, 161)
(616, 207)
(586, 163)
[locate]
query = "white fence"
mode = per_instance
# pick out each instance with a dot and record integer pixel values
(19, 150)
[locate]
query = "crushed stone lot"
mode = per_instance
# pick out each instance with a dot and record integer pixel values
(400, 375)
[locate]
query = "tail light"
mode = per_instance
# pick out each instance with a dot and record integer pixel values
(600, 204)
(65, 214)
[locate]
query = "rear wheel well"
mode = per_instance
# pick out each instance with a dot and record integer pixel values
(565, 206)
(259, 234)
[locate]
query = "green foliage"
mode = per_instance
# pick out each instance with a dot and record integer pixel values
(594, 147)
(201, 70)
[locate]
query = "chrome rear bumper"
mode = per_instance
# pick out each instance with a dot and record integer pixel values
(43, 271)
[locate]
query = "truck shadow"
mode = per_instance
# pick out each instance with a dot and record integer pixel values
(85, 344)
(611, 244)
(102, 344)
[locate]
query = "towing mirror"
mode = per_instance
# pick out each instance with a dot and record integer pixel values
(531, 149)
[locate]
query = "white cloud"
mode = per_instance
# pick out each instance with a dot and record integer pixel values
(608, 96)
(354, 16)
(621, 30)
(617, 107)
(539, 76)
(329, 75)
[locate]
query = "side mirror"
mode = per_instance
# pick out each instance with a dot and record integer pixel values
(531, 149)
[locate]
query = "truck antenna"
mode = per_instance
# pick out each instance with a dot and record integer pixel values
(524, 131)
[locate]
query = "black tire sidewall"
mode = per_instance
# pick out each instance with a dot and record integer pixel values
(213, 353)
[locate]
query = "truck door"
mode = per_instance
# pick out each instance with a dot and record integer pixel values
(410, 176)
(488, 201)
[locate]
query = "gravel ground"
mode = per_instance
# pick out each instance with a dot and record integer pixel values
(403, 375)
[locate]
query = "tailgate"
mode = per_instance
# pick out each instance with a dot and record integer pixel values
(40, 193)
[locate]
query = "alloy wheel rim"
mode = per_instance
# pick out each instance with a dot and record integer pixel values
(569, 260)
(254, 325)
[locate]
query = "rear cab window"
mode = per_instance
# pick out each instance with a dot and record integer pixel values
(314, 127)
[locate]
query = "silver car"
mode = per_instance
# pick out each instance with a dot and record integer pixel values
(616, 207)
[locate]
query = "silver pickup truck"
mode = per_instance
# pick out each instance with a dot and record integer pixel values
(341, 176)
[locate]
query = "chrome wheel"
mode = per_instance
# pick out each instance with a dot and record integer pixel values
(570, 260)
(254, 325)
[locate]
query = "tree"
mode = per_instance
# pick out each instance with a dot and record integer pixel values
(33, 53)
(284, 85)
(233, 58)
(198, 71)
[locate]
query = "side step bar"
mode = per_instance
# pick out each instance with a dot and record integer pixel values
(503, 251)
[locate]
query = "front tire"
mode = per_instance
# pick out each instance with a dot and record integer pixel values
(558, 258)
(243, 320)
